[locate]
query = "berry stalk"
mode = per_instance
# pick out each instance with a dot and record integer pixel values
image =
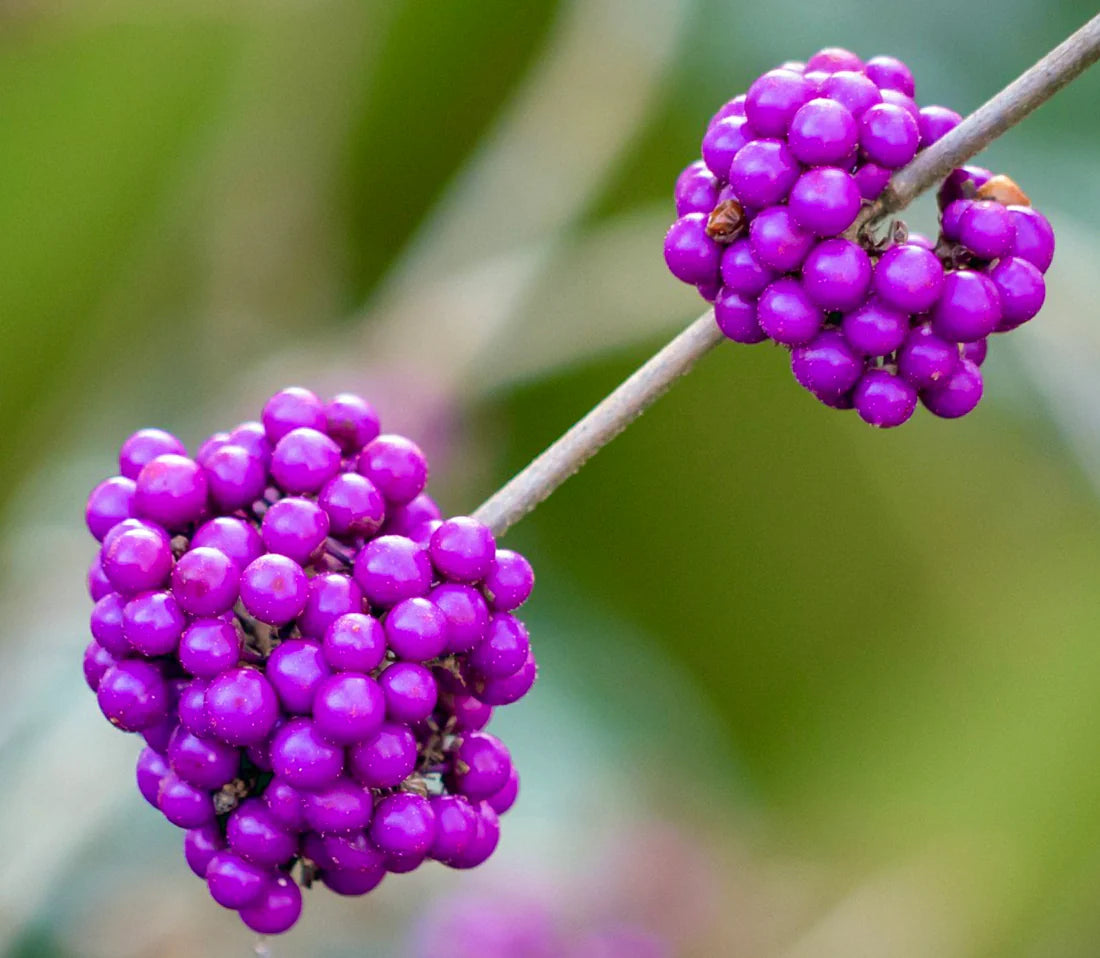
(613, 414)
(1000, 113)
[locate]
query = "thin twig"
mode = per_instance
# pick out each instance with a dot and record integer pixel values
(612, 415)
(600, 426)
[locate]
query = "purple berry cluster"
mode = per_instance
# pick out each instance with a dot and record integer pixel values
(310, 652)
(767, 231)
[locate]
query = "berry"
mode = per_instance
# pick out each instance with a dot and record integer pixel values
(875, 329)
(691, 255)
(284, 802)
(957, 395)
(329, 597)
(351, 421)
(274, 589)
(456, 827)
(485, 840)
(826, 366)
(774, 99)
(1020, 290)
(234, 882)
(697, 188)
(762, 174)
(304, 460)
(856, 92)
(825, 201)
(204, 763)
(909, 278)
(720, 145)
(234, 477)
(295, 528)
(241, 706)
(503, 799)
(234, 537)
(152, 623)
(183, 804)
(386, 759)
(396, 466)
(391, 568)
(465, 612)
(290, 409)
(889, 73)
(416, 630)
(788, 314)
(108, 504)
(1034, 237)
(832, 60)
(736, 318)
(200, 845)
(209, 647)
(150, 771)
(301, 756)
(742, 272)
(353, 504)
(504, 648)
(822, 132)
(276, 909)
(482, 766)
(354, 643)
(137, 560)
(888, 135)
(144, 446)
(97, 660)
(884, 400)
(296, 670)
(348, 707)
(986, 229)
(778, 242)
(935, 122)
(410, 692)
(133, 695)
(462, 549)
(255, 835)
(837, 275)
(403, 824)
(205, 581)
(968, 309)
(341, 807)
(171, 490)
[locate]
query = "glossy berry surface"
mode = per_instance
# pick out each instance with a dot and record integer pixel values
(799, 157)
(309, 648)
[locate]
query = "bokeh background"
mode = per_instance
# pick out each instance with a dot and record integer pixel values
(806, 690)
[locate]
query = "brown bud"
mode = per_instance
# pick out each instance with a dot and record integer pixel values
(1003, 189)
(726, 221)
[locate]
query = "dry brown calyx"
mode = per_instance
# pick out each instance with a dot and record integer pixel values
(1003, 190)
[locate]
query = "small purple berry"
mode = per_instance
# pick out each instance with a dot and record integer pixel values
(304, 460)
(290, 409)
(787, 314)
(351, 421)
(957, 395)
(386, 759)
(690, 254)
(968, 309)
(884, 400)
(397, 467)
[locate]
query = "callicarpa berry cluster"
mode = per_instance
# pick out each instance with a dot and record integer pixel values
(766, 218)
(309, 651)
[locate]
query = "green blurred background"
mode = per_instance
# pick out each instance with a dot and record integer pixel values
(807, 689)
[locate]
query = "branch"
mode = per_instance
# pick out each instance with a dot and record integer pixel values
(613, 414)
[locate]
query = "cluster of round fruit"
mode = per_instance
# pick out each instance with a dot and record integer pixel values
(309, 651)
(769, 232)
